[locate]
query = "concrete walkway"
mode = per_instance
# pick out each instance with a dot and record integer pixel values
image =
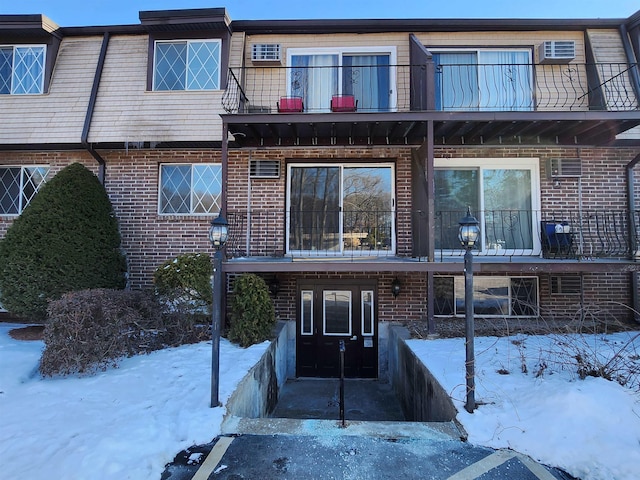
(304, 439)
(364, 400)
(325, 451)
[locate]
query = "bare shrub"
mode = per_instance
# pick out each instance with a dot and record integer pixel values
(91, 330)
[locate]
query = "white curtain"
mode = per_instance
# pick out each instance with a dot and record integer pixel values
(315, 79)
(505, 80)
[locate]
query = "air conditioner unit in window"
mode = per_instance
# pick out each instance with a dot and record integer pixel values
(557, 51)
(564, 167)
(264, 169)
(266, 53)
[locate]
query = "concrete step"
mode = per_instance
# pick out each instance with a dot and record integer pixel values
(312, 427)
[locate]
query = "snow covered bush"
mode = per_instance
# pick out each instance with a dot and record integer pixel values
(91, 330)
(252, 315)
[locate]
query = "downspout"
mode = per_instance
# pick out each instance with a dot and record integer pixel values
(633, 241)
(91, 107)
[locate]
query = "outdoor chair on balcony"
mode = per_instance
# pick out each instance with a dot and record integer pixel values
(557, 239)
(290, 105)
(344, 103)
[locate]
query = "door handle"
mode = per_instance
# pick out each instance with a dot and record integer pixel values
(355, 337)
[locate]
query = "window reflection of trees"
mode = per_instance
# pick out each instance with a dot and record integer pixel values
(315, 207)
(367, 208)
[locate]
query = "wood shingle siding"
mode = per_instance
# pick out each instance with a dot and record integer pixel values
(57, 116)
(127, 112)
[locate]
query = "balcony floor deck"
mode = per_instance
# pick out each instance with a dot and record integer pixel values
(448, 264)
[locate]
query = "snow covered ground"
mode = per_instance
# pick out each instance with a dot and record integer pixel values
(125, 423)
(590, 428)
(130, 421)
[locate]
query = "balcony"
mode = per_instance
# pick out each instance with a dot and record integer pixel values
(468, 103)
(508, 236)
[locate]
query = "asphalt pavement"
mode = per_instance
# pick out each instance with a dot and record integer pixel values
(306, 439)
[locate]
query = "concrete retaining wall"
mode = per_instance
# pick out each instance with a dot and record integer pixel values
(257, 393)
(421, 396)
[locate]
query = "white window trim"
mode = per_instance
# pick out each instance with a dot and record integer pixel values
(340, 51)
(302, 319)
(188, 41)
(362, 314)
(21, 207)
(44, 65)
(522, 48)
(341, 252)
(531, 164)
(190, 213)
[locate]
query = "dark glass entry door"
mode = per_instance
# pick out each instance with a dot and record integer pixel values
(329, 313)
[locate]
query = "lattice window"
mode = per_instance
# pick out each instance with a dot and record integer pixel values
(18, 186)
(190, 189)
(22, 69)
(187, 65)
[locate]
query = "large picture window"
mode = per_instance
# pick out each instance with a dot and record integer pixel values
(484, 80)
(190, 189)
(492, 296)
(187, 65)
(502, 193)
(338, 209)
(18, 185)
(22, 69)
(318, 74)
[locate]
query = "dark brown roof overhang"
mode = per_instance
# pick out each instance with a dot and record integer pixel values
(418, 25)
(27, 26)
(210, 19)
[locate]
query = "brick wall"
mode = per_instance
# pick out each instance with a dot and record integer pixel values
(149, 239)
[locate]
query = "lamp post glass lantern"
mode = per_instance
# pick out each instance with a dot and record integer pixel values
(468, 235)
(218, 233)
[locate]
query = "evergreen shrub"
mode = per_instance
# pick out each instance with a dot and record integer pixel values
(252, 315)
(66, 239)
(185, 282)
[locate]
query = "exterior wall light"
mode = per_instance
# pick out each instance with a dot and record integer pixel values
(396, 286)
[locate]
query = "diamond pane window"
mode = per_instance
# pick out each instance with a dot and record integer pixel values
(18, 186)
(22, 70)
(187, 65)
(190, 189)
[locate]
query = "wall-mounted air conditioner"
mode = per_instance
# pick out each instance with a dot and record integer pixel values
(264, 169)
(564, 167)
(557, 51)
(266, 53)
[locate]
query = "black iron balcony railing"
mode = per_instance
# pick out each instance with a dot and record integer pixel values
(471, 87)
(505, 233)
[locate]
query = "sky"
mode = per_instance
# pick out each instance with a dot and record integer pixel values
(128, 422)
(68, 13)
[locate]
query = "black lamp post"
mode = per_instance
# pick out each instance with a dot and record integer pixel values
(468, 235)
(218, 237)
